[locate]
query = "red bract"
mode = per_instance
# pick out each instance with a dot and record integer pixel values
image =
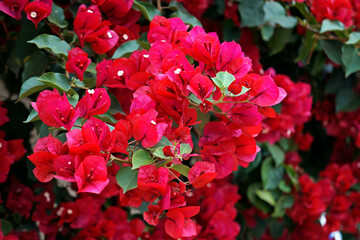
(37, 11)
(44, 165)
(201, 174)
(77, 62)
(152, 178)
(91, 175)
(55, 110)
(102, 40)
(13, 8)
(152, 216)
(201, 86)
(95, 102)
(178, 223)
(86, 21)
(115, 8)
(206, 48)
(233, 60)
(145, 127)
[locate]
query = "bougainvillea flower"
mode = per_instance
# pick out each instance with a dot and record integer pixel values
(49, 144)
(64, 167)
(102, 40)
(178, 223)
(77, 62)
(87, 20)
(152, 216)
(264, 91)
(37, 11)
(152, 178)
(13, 8)
(115, 8)
(174, 196)
(96, 131)
(55, 110)
(145, 128)
(95, 102)
(91, 175)
(201, 86)
(119, 73)
(201, 174)
(233, 60)
(206, 48)
(44, 165)
(245, 115)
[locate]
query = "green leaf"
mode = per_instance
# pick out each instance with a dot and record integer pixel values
(307, 46)
(185, 148)
(141, 158)
(284, 187)
(331, 25)
(85, 83)
(292, 176)
(160, 154)
(276, 14)
(332, 49)
(107, 117)
(127, 178)
(350, 59)
(278, 42)
(147, 9)
(252, 13)
(204, 118)
(6, 227)
(255, 200)
(223, 80)
(277, 153)
(30, 86)
(182, 13)
(36, 65)
(33, 116)
(276, 228)
(282, 204)
(52, 43)
(143, 42)
(271, 175)
(266, 196)
(57, 16)
(56, 80)
(267, 32)
(162, 143)
(182, 169)
(346, 100)
(126, 47)
(354, 38)
(91, 68)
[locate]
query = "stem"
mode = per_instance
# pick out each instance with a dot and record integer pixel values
(54, 30)
(158, 4)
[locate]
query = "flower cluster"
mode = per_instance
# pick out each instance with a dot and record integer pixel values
(295, 111)
(163, 89)
(328, 205)
(10, 150)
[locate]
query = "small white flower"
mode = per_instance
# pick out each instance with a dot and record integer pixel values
(47, 196)
(153, 122)
(69, 211)
(120, 73)
(91, 91)
(125, 37)
(322, 219)
(335, 235)
(33, 14)
(109, 34)
(89, 11)
(146, 56)
(177, 71)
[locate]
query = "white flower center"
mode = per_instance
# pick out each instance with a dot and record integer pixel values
(89, 11)
(91, 91)
(120, 73)
(109, 34)
(153, 122)
(146, 56)
(125, 37)
(69, 163)
(0, 145)
(47, 196)
(177, 71)
(33, 14)
(69, 211)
